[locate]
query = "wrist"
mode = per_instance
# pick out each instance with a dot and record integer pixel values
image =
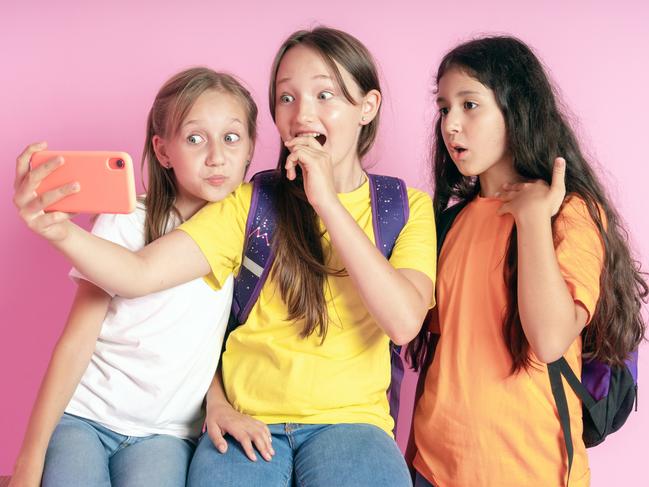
(533, 218)
(218, 404)
(328, 208)
(29, 463)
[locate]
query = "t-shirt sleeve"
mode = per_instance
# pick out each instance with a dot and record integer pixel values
(218, 229)
(125, 230)
(416, 246)
(580, 253)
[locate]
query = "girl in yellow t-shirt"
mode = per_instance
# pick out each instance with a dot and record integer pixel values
(533, 262)
(312, 361)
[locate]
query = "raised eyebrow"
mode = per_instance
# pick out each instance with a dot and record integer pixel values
(469, 92)
(441, 99)
(317, 76)
(198, 122)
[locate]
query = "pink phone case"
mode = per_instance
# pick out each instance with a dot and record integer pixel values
(106, 179)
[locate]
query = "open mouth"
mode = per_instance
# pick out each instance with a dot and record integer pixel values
(321, 138)
(458, 150)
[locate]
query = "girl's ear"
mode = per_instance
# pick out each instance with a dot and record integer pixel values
(160, 149)
(370, 106)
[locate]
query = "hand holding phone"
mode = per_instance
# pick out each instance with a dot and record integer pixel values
(105, 178)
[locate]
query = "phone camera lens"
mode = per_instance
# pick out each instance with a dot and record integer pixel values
(120, 163)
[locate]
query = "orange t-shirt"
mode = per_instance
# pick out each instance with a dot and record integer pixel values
(476, 424)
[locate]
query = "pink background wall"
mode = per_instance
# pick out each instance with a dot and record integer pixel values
(83, 76)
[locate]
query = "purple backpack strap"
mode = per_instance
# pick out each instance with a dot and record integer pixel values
(390, 212)
(258, 252)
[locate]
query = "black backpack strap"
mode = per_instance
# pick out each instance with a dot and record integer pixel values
(444, 222)
(560, 400)
(575, 383)
(556, 370)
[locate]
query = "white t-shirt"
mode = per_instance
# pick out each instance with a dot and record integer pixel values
(155, 355)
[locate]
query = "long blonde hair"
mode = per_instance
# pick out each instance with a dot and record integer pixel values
(170, 107)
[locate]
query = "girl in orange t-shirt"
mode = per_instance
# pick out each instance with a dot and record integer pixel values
(533, 263)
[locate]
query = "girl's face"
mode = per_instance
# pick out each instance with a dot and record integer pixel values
(309, 103)
(209, 154)
(473, 127)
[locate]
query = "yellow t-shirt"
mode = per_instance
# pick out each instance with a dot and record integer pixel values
(273, 374)
(475, 424)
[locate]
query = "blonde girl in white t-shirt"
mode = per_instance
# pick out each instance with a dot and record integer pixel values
(122, 399)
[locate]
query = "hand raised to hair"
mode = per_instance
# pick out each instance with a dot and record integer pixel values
(31, 206)
(535, 200)
(317, 170)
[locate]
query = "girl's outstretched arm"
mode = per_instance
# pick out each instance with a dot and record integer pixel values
(550, 317)
(169, 261)
(69, 361)
(398, 299)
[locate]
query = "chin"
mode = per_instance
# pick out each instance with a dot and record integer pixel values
(216, 194)
(465, 171)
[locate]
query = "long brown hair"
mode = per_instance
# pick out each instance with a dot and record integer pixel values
(300, 268)
(171, 105)
(537, 133)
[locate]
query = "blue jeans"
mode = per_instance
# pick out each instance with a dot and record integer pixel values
(81, 452)
(337, 455)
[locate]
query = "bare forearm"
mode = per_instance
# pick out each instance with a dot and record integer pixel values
(547, 310)
(60, 381)
(69, 361)
(391, 298)
(216, 394)
(133, 274)
(109, 265)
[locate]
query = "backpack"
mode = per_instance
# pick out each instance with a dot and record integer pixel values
(607, 393)
(390, 211)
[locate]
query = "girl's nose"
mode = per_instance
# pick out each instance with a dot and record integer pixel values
(305, 112)
(215, 156)
(451, 123)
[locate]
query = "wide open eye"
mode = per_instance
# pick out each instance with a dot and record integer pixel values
(195, 139)
(470, 105)
(325, 95)
(286, 98)
(231, 138)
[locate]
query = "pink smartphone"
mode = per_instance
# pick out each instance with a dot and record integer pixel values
(106, 179)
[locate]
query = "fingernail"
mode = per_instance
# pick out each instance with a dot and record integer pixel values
(75, 187)
(497, 195)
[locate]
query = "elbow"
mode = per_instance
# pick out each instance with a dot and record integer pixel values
(547, 352)
(408, 329)
(133, 290)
